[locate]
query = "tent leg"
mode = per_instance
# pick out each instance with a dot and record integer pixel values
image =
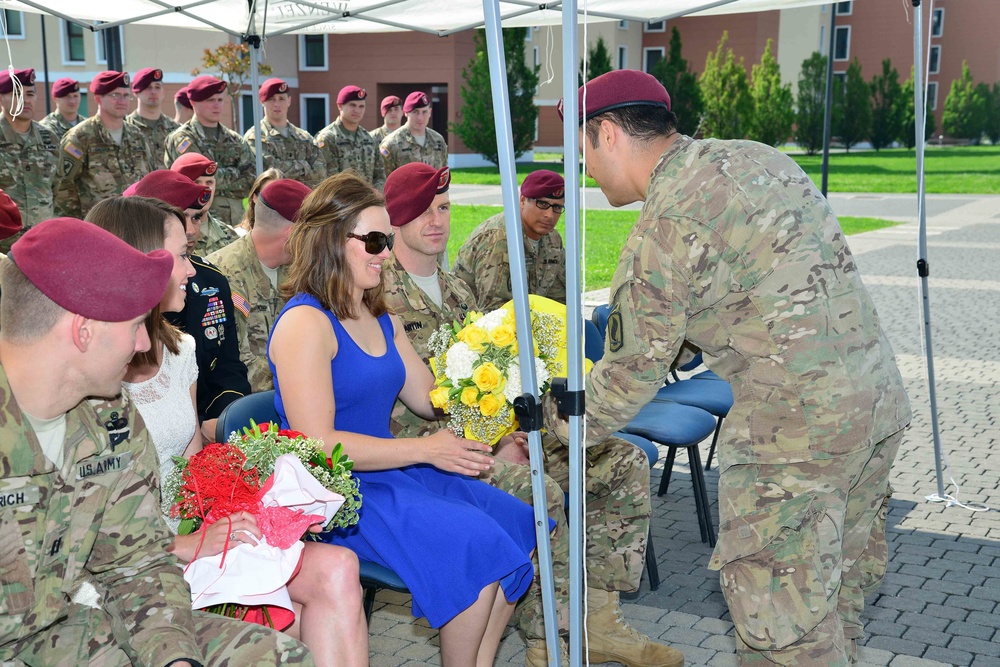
(254, 42)
(828, 107)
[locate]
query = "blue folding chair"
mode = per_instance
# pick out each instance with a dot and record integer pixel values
(260, 408)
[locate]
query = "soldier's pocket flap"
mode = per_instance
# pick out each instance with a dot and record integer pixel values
(750, 534)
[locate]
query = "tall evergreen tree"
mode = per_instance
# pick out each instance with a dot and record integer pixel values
(963, 108)
(681, 83)
(854, 117)
(887, 107)
(725, 88)
(476, 126)
(993, 114)
(908, 135)
(598, 62)
(773, 111)
(811, 103)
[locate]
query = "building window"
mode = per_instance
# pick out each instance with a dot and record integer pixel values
(651, 56)
(13, 24)
(844, 8)
(535, 56)
(84, 109)
(937, 24)
(932, 94)
(72, 39)
(934, 66)
(623, 25)
(313, 53)
(622, 57)
(246, 112)
(102, 57)
(842, 43)
(655, 26)
(315, 112)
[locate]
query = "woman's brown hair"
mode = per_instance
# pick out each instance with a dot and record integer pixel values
(317, 241)
(140, 222)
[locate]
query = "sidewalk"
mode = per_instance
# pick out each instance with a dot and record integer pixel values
(940, 601)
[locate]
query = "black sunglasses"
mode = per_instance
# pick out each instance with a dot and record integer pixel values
(375, 242)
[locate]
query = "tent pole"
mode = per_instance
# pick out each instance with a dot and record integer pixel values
(574, 325)
(923, 266)
(527, 406)
(828, 107)
(45, 68)
(254, 42)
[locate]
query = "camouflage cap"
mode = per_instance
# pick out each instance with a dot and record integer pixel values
(171, 187)
(617, 89)
(410, 189)
(194, 166)
(389, 102)
(285, 196)
(181, 97)
(10, 217)
(416, 100)
(144, 77)
(270, 88)
(543, 184)
(25, 76)
(203, 87)
(65, 86)
(109, 81)
(350, 94)
(91, 272)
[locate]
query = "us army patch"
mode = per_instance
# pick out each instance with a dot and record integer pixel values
(615, 332)
(74, 151)
(184, 145)
(105, 464)
(28, 495)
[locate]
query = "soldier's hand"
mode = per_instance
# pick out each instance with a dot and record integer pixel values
(446, 451)
(513, 448)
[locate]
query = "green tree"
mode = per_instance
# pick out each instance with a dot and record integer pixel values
(232, 61)
(908, 136)
(682, 84)
(854, 115)
(476, 126)
(964, 109)
(811, 103)
(887, 106)
(773, 113)
(598, 62)
(984, 100)
(993, 114)
(725, 89)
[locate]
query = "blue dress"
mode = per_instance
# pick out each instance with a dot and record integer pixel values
(446, 535)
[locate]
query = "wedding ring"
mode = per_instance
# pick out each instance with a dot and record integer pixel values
(232, 535)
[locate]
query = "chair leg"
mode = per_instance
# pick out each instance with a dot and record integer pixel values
(651, 566)
(369, 602)
(715, 440)
(701, 497)
(668, 467)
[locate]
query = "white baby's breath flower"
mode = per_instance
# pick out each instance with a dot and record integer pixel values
(513, 389)
(459, 362)
(492, 319)
(541, 372)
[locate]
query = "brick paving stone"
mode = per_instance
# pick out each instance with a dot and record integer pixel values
(723, 660)
(965, 578)
(924, 594)
(930, 637)
(922, 620)
(911, 661)
(985, 661)
(948, 587)
(961, 628)
(897, 645)
(971, 603)
(886, 629)
(988, 619)
(948, 656)
(976, 646)
(873, 656)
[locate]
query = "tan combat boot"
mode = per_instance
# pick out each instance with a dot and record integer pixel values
(611, 639)
(537, 656)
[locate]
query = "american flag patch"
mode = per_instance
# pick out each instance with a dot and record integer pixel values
(74, 151)
(241, 304)
(184, 145)
(384, 151)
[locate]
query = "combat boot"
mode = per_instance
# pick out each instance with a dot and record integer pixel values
(611, 639)
(537, 656)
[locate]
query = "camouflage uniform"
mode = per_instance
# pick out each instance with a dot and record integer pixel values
(295, 155)
(484, 265)
(257, 304)
(29, 167)
(380, 133)
(95, 525)
(738, 252)
(155, 131)
(617, 488)
(215, 235)
(400, 148)
(95, 167)
(57, 125)
(237, 168)
(343, 150)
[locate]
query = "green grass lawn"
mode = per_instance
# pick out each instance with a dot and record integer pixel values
(604, 236)
(950, 170)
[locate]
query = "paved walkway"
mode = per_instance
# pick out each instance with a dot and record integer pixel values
(940, 601)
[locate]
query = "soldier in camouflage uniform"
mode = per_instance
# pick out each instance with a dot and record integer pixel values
(85, 571)
(204, 134)
(255, 266)
(29, 155)
(346, 145)
(285, 146)
(483, 262)
(738, 252)
(66, 93)
(392, 115)
(424, 298)
(147, 118)
(103, 155)
(414, 141)
(205, 232)
(182, 107)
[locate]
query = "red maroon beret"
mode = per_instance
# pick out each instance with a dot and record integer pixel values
(416, 100)
(25, 76)
(108, 82)
(543, 184)
(620, 88)
(285, 196)
(170, 187)
(204, 87)
(270, 88)
(91, 272)
(350, 94)
(10, 217)
(63, 87)
(181, 96)
(144, 77)
(410, 190)
(389, 102)
(194, 166)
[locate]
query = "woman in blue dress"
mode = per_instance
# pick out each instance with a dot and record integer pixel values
(339, 361)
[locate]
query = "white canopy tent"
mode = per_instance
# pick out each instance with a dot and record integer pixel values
(252, 20)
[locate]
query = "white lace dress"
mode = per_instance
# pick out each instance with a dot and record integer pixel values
(164, 401)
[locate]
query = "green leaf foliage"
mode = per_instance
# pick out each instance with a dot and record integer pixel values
(726, 90)
(908, 135)
(682, 84)
(852, 106)
(964, 114)
(887, 107)
(598, 62)
(773, 113)
(811, 103)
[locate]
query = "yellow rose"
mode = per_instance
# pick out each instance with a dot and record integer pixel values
(439, 397)
(503, 335)
(490, 405)
(475, 337)
(487, 377)
(469, 396)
